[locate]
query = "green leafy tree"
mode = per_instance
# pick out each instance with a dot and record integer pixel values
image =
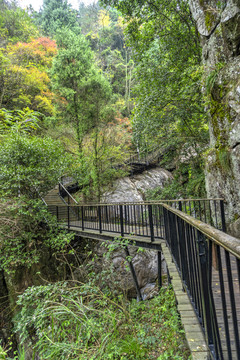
(55, 15)
(15, 24)
(74, 78)
(99, 162)
(168, 105)
(18, 121)
(24, 81)
(106, 36)
(30, 167)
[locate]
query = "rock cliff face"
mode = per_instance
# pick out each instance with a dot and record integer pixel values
(218, 24)
(132, 189)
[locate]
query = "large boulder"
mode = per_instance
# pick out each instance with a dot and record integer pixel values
(133, 189)
(116, 265)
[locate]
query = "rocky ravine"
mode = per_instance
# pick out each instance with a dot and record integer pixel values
(218, 24)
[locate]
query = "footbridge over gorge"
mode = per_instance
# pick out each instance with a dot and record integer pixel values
(203, 262)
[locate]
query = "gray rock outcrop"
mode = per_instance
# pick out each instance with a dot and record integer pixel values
(133, 189)
(218, 23)
(120, 278)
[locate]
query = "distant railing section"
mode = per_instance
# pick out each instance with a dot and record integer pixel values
(137, 219)
(208, 261)
(64, 193)
(210, 211)
(142, 219)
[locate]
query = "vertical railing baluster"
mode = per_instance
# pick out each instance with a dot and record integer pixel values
(223, 216)
(159, 254)
(68, 216)
(135, 218)
(121, 220)
(100, 219)
(142, 219)
(200, 212)
(151, 222)
(180, 205)
(238, 270)
(204, 287)
(181, 248)
(215, 212)
(224, 303)
(82, 217)
(232, 302)
(214, 323)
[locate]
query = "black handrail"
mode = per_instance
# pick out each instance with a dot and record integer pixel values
(214, 293)
(201, 253)
(64, 192)
(210, 211)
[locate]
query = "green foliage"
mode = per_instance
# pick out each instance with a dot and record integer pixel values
(212, 77)
(15, 23)
(18, 121)
(77, 321)
(3, 354)
(55, 15)
(98, 162)
(168, 103)
(26, 229)
(30, 165)
(71, 69)
(24, 81)
(188, 182)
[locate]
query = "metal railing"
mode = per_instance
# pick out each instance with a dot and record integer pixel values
(208, 261)
(141, 218)
(63, 192)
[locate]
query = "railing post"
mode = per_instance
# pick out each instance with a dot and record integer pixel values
(100, 219)
(206, 305)
(166, 225)
(68, 216)
(121, 220)
(159, 253)
(151, 222)
(181, 248)
(222, 216)
(57, 212)
(106, 214)
(180, 205)
(82, 217)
